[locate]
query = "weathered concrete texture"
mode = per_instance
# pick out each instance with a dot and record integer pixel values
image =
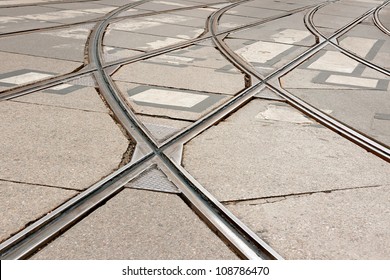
(15, 24)
(197, 55)
(22, 203)
(267, 56)
(375, 44)
(286, 30)
(350, 224)
(111, 53)
(279, 5)
(85, 98)
(140, 42)
(67, 44)
(13, 62)
(167, 102)
(192, 78)
(362, 115)
(139, 225)
(56, 146)
(273, 154)
(163, 26)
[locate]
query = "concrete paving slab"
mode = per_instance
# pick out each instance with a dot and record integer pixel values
(62, 16)
(67, 44)
(191, 78)
(178, 19)
(23, 11)
(140, 42)
(278, 5)
(84, 98)
(228, 21)
(277, 157)
(158, 28)
(58, 146)
(196, 13)
(328, 24)
(22, 2)
(112, 54)
(356, 108)
(309, 79)
(164, 5)
(335, 62)
(343, 8)
(266, 57)
(18, 64)
(176, 103)
(16, 24)
(89, 6)
(22, 203)
(199, 56)
(139, 225)
(349, 225)
(332, 69)
(253, 12)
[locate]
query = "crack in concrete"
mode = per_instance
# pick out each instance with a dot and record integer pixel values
(279, 198)
(38, 185)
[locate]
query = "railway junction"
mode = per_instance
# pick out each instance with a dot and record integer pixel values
(194, 129)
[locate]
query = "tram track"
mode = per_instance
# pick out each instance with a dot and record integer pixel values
(245, 243)
(88, 69)
(377, 21)
(359, 138)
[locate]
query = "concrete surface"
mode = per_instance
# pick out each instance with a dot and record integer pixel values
(277, 156)
(139, 224)
(22, 203)
(347, 225)
(58, 146)
(295, 183)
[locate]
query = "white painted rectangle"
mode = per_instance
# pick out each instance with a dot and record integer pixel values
(25, 78)
(170, 98)
(335, 62)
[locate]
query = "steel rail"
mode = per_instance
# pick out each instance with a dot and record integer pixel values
(246, 243)
(26, 246)
(377, 20)
(24, 243)
(339, 127)
(54, 81)
(135, 16)
(332, 40)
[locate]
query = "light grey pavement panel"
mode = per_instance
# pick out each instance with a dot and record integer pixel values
(277, 151)
(307, 191)
(139, 224)
(295, 183)
(22, 203)
(350, 224)
(67, 43)
(192, 78)
(367, 41)
(286, 30)
(20, 69)
(333, 82)
(58, 146)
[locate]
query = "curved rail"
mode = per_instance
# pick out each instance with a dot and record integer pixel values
(357, 137)
(246, 243)
(377, 20)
